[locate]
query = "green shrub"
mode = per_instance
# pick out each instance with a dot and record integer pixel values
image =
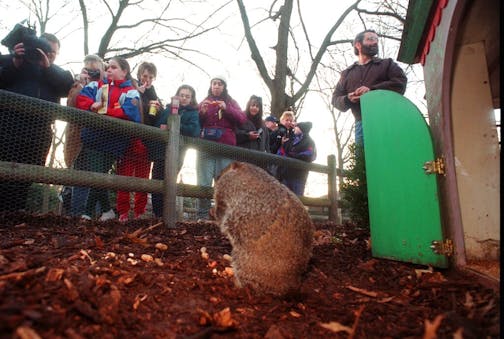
(353, 189)
(34, 203)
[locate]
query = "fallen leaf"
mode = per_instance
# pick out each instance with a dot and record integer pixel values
(295, 314)
(138, 299)
(85, 254)
(363, 291)
(73, 294)
(385, 300)
(98, 242)
(459, 333)
(431, 327)
(161, 246)
(205, 318)
(147, 257)
(54, 274)
(228, 271)
(336, 327)
(368, 265)
(420, 271)
(224, 319)
(25, 332)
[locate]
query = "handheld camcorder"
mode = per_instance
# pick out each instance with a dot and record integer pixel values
(94, 74)
(31, 42)
(284, 131)
(260, 132)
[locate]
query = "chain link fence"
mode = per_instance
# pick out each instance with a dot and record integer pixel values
(61, 159)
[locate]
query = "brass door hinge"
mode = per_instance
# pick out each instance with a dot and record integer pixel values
(443, 247)
(435, 166)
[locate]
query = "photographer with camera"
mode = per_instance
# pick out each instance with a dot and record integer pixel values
(251, 133)
(26, 137)
(284, 129)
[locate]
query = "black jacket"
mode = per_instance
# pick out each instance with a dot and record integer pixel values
(376, 74)
(30, 130)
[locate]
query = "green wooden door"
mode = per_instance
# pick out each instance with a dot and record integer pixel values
(403, 200)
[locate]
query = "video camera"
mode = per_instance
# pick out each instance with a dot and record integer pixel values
(283, 131)
(260, 132)
(31, 42)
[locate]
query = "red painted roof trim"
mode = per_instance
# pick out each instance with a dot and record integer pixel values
(436, 19)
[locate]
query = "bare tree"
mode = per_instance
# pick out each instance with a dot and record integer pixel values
(285, 81)
(277, 82)
(128, 28)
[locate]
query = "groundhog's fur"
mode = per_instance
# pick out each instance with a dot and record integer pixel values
(268, 227)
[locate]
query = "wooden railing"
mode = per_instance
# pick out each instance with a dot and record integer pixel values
(173, 141)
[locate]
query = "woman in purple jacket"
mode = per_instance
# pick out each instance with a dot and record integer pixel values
(219, 116)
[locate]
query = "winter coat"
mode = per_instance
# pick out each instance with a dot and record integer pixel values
(226, 121)
(28, 131)
(189, 126)
(376, 74)
(243, 140)
(123, 103)
(301, 147)
(148, 95)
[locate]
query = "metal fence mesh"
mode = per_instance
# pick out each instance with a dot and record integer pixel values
(85, 148)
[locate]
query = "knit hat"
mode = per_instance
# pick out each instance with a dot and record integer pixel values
(305, 126)
(272, 119)
(220, 77)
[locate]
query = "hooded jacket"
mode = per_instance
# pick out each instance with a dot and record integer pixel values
(123, 103)
(302, 146)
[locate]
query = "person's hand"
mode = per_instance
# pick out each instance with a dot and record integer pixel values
(155, 103)
(204, 106)
(361, 90)
(19, 52)
(222, 105)
(44, 60)
(142, 88)
(353, 97)
(284, 140)
(96, 106)
(253, 135)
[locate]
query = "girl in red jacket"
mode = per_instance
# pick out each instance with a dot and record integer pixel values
(115, 96)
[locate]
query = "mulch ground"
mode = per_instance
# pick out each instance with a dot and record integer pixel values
(60, 278)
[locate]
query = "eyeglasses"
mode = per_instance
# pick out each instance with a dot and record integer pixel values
(371, 38)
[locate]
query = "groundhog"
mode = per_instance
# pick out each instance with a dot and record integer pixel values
(268, 227)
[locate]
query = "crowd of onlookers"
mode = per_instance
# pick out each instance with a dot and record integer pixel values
(108, 88)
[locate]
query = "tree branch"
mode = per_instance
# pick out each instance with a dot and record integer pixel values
(326, 42)
(254, 50)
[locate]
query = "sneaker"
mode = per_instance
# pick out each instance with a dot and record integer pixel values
(124, 217)
(109, 215)
(85, 217)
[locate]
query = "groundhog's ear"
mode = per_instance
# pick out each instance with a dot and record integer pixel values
(236, 165)
(230, 167)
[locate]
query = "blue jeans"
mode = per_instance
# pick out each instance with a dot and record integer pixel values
(359, 134)
(208, 168)
(85, 199)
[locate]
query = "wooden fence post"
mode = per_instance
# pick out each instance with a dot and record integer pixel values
(170, 172)
(332, 190)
